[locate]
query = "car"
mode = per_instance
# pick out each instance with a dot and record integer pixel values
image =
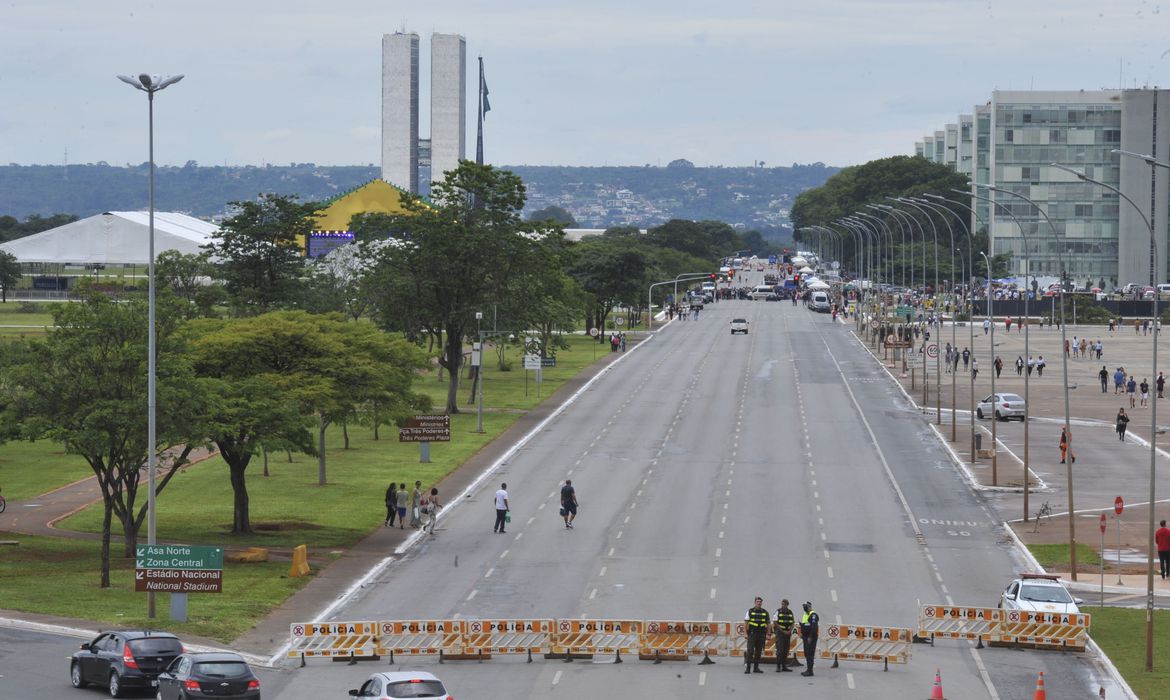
(1038, 593)
(402, 684)
(219, 675)
(739, 325)
(1003, 406)
(123, 659)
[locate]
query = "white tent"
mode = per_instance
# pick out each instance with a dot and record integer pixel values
(113, 238)
(806, 269)
(799, 261)
(818, 284)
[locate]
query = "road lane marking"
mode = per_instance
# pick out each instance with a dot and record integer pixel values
(472, 594)
(504, 553)
(983, 672)
(592, 594)
(716, 573)
(619, 535)
(718, 552)
(489, 572)
(712, 594)
(720, 534)
(626, 520)
(557, 677)
(602, 571)
(849, 680)
(542, 505)
(830, 571)
(833, 594)
(702, 678)
(531, 520)
(610, 552)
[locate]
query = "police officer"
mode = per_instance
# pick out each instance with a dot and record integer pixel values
(758, 621)
(783, 625)
(809, 629)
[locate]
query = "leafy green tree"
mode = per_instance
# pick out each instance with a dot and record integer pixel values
(259, 253)
(84, 385)
(453, 257)
(339, 282)
(183, 273)
(708, 240)
(612, 271)
(556, 214)
(9, 274)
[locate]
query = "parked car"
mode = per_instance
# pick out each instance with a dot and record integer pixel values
(219, 675)
(739, 325)
(123, 659)
(1003, 406)
(402, 684)
(1038, 593)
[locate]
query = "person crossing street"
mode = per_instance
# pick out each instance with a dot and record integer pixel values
(809, 631)
(783, 625)
(758, 621)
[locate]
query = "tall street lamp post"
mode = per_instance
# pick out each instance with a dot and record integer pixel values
(150, 84)
(1153, 407)
(954, 312)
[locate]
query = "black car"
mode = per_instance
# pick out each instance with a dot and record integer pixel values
(124, 659)
(213, 675)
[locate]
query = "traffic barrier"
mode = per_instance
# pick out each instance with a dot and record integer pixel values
(300, 562)
(955, 622)
(1042, 629)
(509, 636)
(858, 643)
(334, 640)
(738, 644)
(422, 637)
(670, 640)
(588, 637)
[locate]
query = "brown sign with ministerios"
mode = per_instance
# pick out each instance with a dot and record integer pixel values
(426, 428)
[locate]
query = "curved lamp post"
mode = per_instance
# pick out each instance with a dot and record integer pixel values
(954, 341)
(937, 309)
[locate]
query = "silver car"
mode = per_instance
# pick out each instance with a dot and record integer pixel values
(1002, 406)
(1038, 593)
(402, 684)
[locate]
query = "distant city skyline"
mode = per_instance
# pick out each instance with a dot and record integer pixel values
(604, 83)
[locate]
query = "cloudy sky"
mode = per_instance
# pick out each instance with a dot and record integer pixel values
(602, 82)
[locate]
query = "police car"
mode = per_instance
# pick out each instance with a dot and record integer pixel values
(1038, 593)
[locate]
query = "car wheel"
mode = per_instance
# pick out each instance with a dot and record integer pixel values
(75, 676)
(979, 412)
(115, 685)
(998, 416)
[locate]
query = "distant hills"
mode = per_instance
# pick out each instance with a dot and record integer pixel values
(598, 197)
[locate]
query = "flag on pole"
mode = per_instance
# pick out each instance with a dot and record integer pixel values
(487, 107)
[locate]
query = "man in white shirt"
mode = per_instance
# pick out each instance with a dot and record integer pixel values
(501, 508)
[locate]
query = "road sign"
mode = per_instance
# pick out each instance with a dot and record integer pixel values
(1102, 525)
(618, 320)
(1118, 505)
(532, 362)
(426, 428)
(178, 581)
(932, 350)
(594, 332)
(548, 362)
(178, 556)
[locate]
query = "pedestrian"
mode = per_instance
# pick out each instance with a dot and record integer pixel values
(1131, 390)
(1162, 539)
(1007, 322)
(623, 341)
(1160, 383)
(1066, 347)
(1064, 447)
(1122, 424)
(1099, 348)
(501, 508)
(403, 499)
(758, 621)
(568, 503)
(966, 358)
(998, 366)
(809, 631)
(947, 359)
(1137, 327)
(431, 506)
(391, 503)
(784, 622)
(1019, 365)
(1104, 375)
(1031, 365)
(1119, 381)
(1040, 365)
(974, 368)
(1144, 388)
(1110, 325)
(416, 505)
(986, 325)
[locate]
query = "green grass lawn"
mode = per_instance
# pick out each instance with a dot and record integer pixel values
(1055, 556)
(31, 468)
(1121, 633)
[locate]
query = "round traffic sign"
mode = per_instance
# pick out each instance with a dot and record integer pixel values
(1102, 523)
(619, 321)
(932, 349)
(890, 338)
(1118, 505)
(594, 332)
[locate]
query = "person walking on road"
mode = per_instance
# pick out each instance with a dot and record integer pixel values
(1160, 383)
(391, 503)
(1131, 390)
(1040, 365)
(1104, 376)
(974, 368)
(966, 358)
(430, 508)
(998, 366)
(1119, 381)
(1144, 390)
(1162, 540)
(568, 503)
(416, 505)
(986, 325)
(403, 499)
(1019, 365)
(501, 508)
(1064, 451)
(782, 627)
(809, 631)
(1122, 424)
(758, 621)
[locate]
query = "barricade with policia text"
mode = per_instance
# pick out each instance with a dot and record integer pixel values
(998, 627)
(658, 640)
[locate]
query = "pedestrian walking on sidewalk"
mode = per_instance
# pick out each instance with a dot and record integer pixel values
(403, 500)
(1104, 375)
(416, 505)
(1162, 540)
(1122, 424)
(391, 504)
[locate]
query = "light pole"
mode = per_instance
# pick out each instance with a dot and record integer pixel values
(1153, 406)
(954, 341)
(150, 84)
(937, 310)
(994, 421)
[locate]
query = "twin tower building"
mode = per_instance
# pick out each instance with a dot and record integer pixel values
(406, 157)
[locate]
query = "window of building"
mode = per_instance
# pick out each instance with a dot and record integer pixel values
(1008, 136)
(1083, 211)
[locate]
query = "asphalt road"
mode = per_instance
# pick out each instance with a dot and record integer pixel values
(710, 468)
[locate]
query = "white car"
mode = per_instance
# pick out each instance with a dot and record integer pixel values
(1038, 593)
(402, 684)
(739, 325)
(1002, 406)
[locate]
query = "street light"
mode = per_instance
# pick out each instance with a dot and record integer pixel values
(150, 84)
(1153, 406)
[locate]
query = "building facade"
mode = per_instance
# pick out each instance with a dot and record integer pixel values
(400, 110)
(448, 103)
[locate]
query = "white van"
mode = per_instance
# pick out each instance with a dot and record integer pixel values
(819, 302)
(1163, 291)
(763, 292)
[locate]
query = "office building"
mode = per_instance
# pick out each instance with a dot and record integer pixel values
(400, 110)
(448, 103)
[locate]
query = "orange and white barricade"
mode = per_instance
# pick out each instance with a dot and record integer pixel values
(421, 637)
(957, 622)
(487, 637)
(673, 640)
(1064, 630)
(865, 643)
(333, 639)
(596, 637)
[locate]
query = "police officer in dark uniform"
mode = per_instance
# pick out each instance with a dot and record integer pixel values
(809, 630)
(784, 623)
(758, 621)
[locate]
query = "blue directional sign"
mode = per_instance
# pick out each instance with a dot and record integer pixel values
(771, 259)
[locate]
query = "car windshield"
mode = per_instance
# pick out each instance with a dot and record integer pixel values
(1010, 397)
(738, 320)
(416, 689)
(222, 669)
(1044, 594)
(153, 646)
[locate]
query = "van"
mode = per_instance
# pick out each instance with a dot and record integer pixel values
(819, 302)
(763, 292)
(1163, 291)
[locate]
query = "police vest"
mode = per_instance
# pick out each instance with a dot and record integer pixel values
(785, 619)
(809, 621)
(757, 619)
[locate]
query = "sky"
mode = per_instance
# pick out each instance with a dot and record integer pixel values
(603, 82)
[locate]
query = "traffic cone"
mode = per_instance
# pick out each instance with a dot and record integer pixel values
(1040, 688)
(936, 692)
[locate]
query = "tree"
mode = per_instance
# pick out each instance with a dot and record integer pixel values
(339, 282)
(612, 271)
(453, 257)
(259, 253)
(555, 214)
(84, 385)
(270, 378)
(181, 272)
(9, 274)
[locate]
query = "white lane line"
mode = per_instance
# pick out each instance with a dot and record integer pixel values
(839, 620)
(619, 535)
(542, 505)
(489, 572)
(820, 521)
(712, 594)
(557, 677)
(938, 576)
(592, 594)
(702, 678)
(720, 534)
(723, 520)
(983, 672)
(639, 492)
(849, 680)
(950, 601)
(519, 535)
(830, 571)
(603, 569)
(710, 617)
(610, 552)
(823, 537)
(816, 494)
(818, 507)
(716, 573)
(627, 519)
(814, 482)
(472, 594)
(943, 588)
(833, 595)
(532, 520)
(504, 553)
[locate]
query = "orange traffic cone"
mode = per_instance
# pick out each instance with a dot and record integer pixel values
(1040, 688)
(936, 692)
